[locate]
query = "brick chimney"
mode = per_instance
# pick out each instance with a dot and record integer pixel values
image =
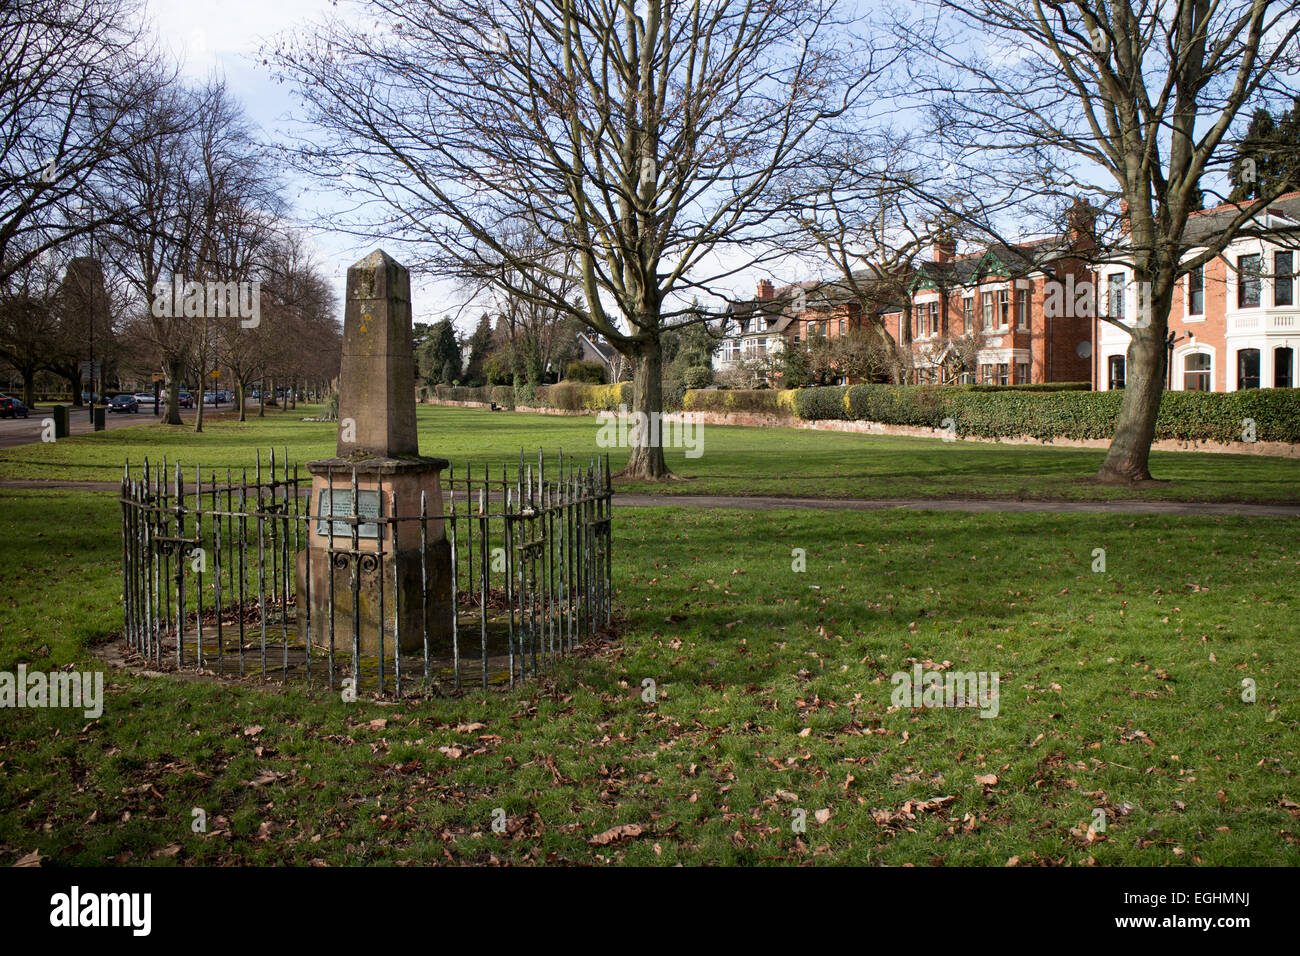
(1125, 220)
(765, 290)
(945, 249)
(1081, 224)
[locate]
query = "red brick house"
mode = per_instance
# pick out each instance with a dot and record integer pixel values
(1234, 323)
(986, 316)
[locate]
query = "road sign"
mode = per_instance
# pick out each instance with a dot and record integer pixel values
(216, 373)
(159, 377)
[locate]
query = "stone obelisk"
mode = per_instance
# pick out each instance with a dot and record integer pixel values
(403, 587)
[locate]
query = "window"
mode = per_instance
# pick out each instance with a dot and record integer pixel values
(1284, 278)
(1022, 308)
(1248, 368)
(1196, 372)
(1116, 370)
(1283, 362)
(986, 303)
(1004, 309)
(1248, 282)
(796, 335)
(1196, 292)
(1115, 296)
(1022, 373)
(968, 313)
(986, 374)
(930, 319)
(1003, 376)
(841, 328)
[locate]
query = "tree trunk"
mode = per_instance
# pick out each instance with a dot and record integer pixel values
(1127, 460)
(239, 391)
(198, 405)
(646, 456)
(173, 416)
(28, 373)
(73, 378)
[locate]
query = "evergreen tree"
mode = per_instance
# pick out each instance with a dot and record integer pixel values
(480, 347)
(437, 358)
(1267, 154)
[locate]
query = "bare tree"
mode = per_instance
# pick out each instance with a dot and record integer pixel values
(298, 338)
(535, 328)
(1145, 92)
(29, 320)
(639, 136)
(865, 214)
(71, 73)
(204, 200)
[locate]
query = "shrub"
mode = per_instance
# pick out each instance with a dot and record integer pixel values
(698, 376)
(822, 403)
(566, 396)
(1066, 414)
(1034, 387)
(526, 394)
(462, 393)
(733, 400)
(581, 370)
(606, 398)
(919, 405)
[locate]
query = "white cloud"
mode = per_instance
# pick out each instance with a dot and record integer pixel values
(204, 35)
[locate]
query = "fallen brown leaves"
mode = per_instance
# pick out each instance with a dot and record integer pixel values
(624, 831)
(908, 812)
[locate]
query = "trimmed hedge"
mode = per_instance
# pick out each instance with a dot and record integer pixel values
(760, 400)
(1076, 415)
(999, 412)
(1034, 387)
(917, 405)
(607, 398)
(462, 393)
(821, 404)
(581, 396)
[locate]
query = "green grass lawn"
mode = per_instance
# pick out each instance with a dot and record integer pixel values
(734, 460)
(1120, 691)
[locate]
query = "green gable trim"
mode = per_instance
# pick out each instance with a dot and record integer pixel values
(991, 265)
(924, 281)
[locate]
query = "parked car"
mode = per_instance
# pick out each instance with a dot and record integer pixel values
(123, 404)
(144, 398)
(12, 407)
(90, 399)
(185, 400)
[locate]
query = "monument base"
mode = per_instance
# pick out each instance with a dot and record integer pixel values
(402, 585)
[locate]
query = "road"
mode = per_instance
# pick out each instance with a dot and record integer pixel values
(24, 431)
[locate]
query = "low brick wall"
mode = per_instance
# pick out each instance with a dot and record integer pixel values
(1271, 449)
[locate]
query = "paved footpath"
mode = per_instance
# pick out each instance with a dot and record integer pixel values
(770, 503)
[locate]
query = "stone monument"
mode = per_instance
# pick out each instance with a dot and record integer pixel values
(377, 442)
